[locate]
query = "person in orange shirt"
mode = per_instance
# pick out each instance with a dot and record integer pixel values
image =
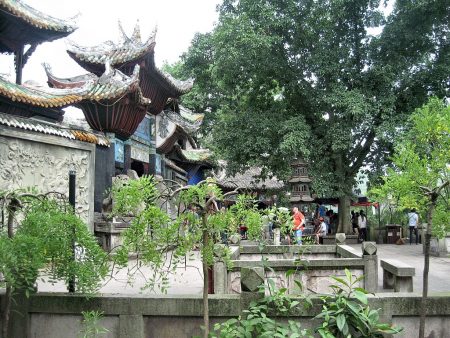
(299, 222)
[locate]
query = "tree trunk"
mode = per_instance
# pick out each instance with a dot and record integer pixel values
(345, 225)
(205, 280)
(426, 267)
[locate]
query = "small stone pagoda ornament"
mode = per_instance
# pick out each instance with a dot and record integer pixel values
(300, 183)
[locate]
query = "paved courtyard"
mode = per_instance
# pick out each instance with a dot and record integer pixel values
(439, 275)
(189, 280)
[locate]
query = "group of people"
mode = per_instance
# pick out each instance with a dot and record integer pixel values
(299, 221)
(359, 224)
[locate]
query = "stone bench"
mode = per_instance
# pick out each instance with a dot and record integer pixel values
(397, 275)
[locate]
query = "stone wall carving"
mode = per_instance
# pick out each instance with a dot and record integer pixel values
(45, 166)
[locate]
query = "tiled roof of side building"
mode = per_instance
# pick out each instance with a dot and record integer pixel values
(250, 179)
(52, 129)
(200, 156)
(188, 125)
(38, 96)
(34, 17)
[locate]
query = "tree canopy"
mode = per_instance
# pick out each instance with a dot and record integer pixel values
(330, 81)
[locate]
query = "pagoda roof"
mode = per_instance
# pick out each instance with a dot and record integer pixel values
(304, 198)
(112, 102)
(22, 24)
(156, 84)
(171, 164)
(127, 50)
(111, 85)
(52, 129)
(300, 179)
(298, 162)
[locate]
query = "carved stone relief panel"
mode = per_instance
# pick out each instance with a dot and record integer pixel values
(25, 163)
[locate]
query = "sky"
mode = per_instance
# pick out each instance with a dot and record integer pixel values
(177, 22)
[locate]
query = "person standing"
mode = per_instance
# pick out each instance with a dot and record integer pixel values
(362, 225)
(322, 231)
(299, 221)
(413, 222)
(354, 220)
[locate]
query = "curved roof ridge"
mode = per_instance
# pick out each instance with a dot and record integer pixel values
(181, 86)
(111, 84)
(37, 18)
(126, 50)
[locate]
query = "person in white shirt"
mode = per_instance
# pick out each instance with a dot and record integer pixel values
(413, 222)
(321, 231)
(362, 224)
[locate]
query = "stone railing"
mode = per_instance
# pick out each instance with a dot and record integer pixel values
(53, 315)
(311, 266)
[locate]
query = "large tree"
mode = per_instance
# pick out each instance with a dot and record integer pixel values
(331, 81)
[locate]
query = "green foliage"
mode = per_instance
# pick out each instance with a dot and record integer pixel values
(345, 314)
(42, 244)
(255, 322)
(151, 233)
(421, 163)
(281, 218)
(91, 325)
(280, 79)
(245, 212)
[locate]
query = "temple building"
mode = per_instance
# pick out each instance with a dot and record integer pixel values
(36, 150)
(146, 129)
(130, 105)
(265, 191)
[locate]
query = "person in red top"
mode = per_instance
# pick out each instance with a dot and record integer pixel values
(299, 222)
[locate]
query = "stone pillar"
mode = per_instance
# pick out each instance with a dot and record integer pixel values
(220, 278)
(251, 279)
(131, 326)
(105, 166)
(127, 156)
(370, 258)
(276, 236)
(340, 238)
(152, 150)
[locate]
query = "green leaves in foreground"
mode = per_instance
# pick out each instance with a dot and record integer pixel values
(42, 244)
(346, 313)
(255, 322)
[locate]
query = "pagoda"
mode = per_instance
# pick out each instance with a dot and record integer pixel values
(130, 121)
(156, 85)
(300, 183)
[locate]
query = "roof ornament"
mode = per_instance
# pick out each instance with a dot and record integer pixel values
(136, 37)
(108, 74)
(123, 37)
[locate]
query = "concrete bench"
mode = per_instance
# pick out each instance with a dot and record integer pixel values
(397, 275)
